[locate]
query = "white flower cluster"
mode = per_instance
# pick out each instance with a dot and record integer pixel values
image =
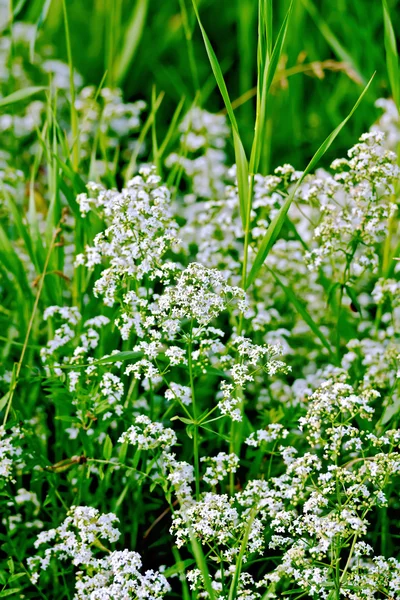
(219, 466)
(356, 204)
(10, 451)
(73, 539)
(140, 230)
(118, 575)
(320, 503)
(200, 294)
(147, 435)
(253, 358)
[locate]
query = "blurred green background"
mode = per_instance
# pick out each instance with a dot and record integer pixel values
(332, 49)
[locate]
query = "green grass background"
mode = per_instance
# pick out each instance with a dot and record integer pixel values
(142, 44)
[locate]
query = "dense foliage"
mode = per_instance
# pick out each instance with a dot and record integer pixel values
(200, 362)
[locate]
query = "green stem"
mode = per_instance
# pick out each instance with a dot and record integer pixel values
(339, 313)
(247, 231)
(196, 429)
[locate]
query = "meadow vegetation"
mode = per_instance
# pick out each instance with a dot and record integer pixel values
(199, 300)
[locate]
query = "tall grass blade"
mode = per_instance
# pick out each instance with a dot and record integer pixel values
(303, 312)
(265, 78)
(242, 169)
(21, 95)
(42, 17)
(132, 37)
(392, 57)
(277, 222)
(202, 565)
(171, 129)
(73, 113)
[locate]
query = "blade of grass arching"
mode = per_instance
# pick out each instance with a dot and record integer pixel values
(180, 569)
(42, 17)
(266, 65)
(14, 381)
(144, 131)
(241, 556)
(277, 222)
(12, 263)
(242, 169)
(202, 565)
(246, 14)
(32, 213)
(189, 42)
(171, 129)
(392, 57)
(303, 312)
(73, 112)
(20, 95)
(23, 230)
(54, 210)
(132, 37)
(154, 143)
(52, 285)
(331, 39)
(265, 78)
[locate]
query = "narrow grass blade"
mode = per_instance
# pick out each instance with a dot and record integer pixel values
(189, 41)
(303, 312)
(240, 559)
(240, 155)
(73, 113)
(42, 17)
(171, 129)
(154, 142)
(132, 37)
(392, 57)
(277, 223)
(23, 231)
(332, 40)
(265, 78)
(12, 263)
(144, 131)
(202, 565)
(20, 95)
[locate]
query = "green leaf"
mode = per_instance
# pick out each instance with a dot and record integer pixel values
(107, 448)
(391, 411)
(301, 309)
(132, 37)
(201, 564)
(188, 562)
(42, 17)
(265, 79)
(242, 169)
(277, 222)
(10, 592)
(126, 355)
(183, 419)
(392, 57)
(21, 95)
(331, 292)
(4, 399)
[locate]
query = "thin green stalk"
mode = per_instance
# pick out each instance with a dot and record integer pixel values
(196, 428)
(73, 113)
(239, 563)
(247, 231)
(189, 41)
(30, 325)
